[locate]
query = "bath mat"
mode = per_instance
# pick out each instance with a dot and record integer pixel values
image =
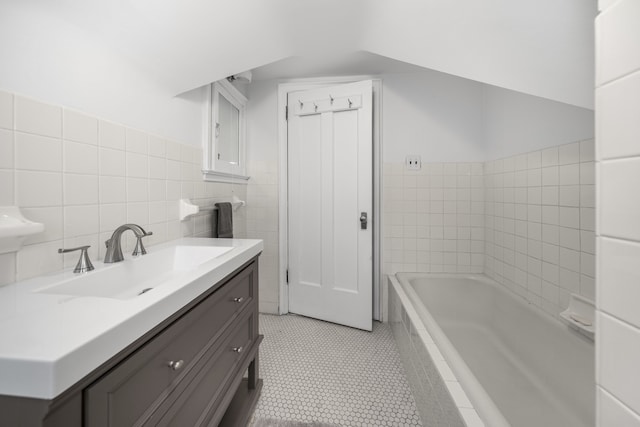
(267, 422)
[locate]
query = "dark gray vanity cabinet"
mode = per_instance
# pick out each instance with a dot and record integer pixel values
(188, 371)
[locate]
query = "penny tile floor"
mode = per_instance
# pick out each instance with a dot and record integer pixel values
(319, 373)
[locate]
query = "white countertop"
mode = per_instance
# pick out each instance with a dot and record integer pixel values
(49, 342)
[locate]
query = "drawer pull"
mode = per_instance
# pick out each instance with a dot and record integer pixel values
(238, 300)
(176, 365)
(237, 349)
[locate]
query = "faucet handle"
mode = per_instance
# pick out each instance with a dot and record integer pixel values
(84, 263)
(79, 248)
(139, 249)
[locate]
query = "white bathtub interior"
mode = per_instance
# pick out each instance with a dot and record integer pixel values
(537, 371)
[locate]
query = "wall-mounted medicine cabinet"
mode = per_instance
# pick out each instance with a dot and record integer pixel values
(224, 145)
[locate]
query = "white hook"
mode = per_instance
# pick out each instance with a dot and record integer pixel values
(331, 99)
(349, 102)
(315, 106)
(301, 103)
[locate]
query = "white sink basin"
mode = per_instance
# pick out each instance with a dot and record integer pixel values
(133, 277)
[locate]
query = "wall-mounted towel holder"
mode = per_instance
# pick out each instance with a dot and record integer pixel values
(186, 208)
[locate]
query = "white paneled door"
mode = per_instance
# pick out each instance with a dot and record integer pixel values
(330, 204)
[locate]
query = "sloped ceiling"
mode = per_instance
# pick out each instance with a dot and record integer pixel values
(539, 47)
(356, 63)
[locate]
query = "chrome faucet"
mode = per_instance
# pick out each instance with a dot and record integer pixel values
(114, 246)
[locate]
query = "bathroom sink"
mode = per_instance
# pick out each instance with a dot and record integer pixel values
(133, 277)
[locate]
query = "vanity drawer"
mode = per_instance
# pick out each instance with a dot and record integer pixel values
(197, 403)
(135, 388)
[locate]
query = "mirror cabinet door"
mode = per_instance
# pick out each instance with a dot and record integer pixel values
(224, 145)
(227, 132)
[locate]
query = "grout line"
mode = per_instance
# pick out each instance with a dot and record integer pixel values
(635, 328)
(622, 239)
(617, 400)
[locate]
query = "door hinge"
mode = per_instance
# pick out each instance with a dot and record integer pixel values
(286, 112)
(287, 276)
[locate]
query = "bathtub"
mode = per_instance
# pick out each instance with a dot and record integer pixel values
(476, 354)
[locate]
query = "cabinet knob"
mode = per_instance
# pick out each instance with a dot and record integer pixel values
(176, 365)
(237, 349)
(238, 300)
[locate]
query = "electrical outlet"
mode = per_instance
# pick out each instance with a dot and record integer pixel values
(413, 163)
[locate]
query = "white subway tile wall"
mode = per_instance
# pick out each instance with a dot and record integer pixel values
(618, 200)
(262, 223)
(528, 221)
(82, 177)
(539, 217)
(433, 218)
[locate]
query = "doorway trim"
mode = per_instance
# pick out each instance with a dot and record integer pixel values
(304, 84)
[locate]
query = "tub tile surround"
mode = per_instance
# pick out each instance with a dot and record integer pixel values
(433, 219)
(618, 233)
(527, 221)
(82, 177)
(540, 224)
(439, 396)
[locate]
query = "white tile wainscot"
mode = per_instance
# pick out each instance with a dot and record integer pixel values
(83, 176)
(540, 224)
(433, 218)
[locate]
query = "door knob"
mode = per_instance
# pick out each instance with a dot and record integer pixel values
(363, 220)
